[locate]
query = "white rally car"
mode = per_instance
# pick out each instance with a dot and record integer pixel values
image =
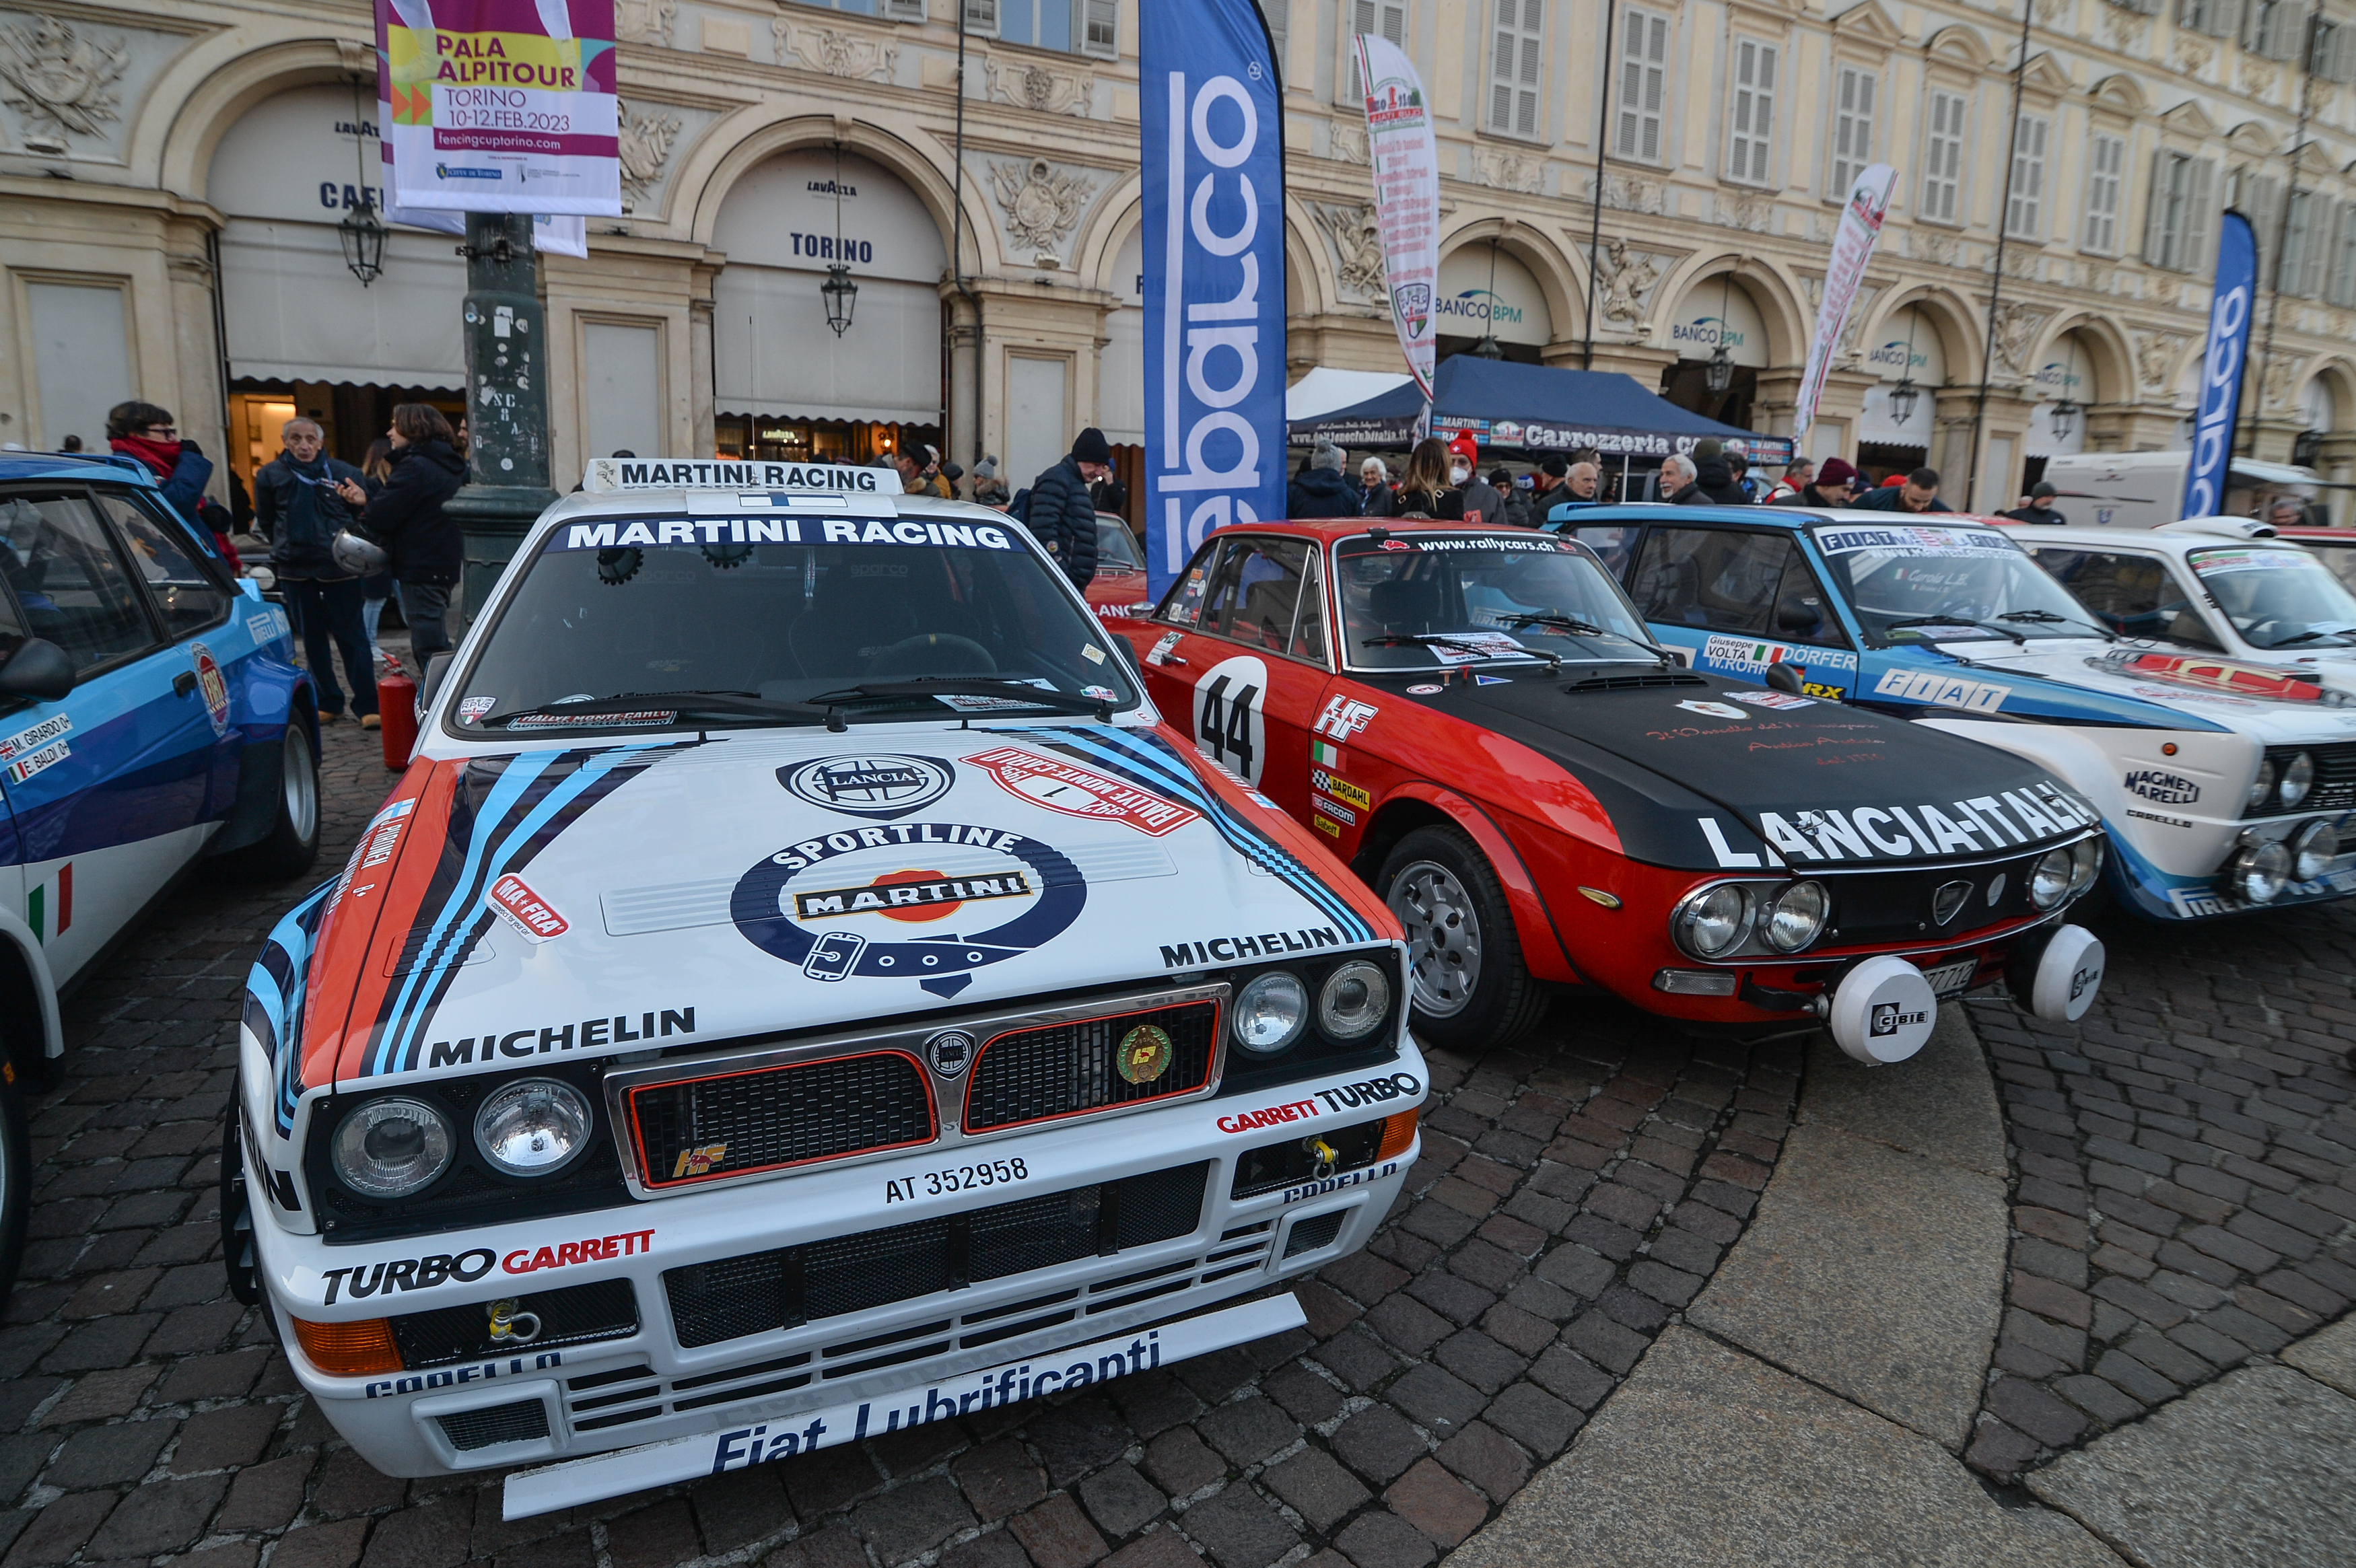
(798, 990)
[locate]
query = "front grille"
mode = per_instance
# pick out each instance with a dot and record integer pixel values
(1033, 1074)
(735, 1123)
(608, 1309)
(1289, 1160)
(784, 1288)
(1900, 905)
(2335, 779)
(522, 1422)
(1311, 1234)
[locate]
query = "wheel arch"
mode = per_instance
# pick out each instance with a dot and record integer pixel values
(1424, 805)
(27, 988)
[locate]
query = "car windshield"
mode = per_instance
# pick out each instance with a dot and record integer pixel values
(742, 633)
(1912, 584)
(1427, 601)
(2278, 597)
(1116, 546)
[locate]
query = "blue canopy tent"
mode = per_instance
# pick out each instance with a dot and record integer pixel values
(1539, 408)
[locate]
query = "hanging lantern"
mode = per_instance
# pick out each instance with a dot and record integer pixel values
(2062, 419)
(1901, 400)
(1720, 374)
(363, 241)
(842, 296)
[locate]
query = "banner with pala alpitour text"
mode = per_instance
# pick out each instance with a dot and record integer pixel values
(1407, 197)
(1214, 254)
(1860, 227)
(2205, 482)
(500, 106)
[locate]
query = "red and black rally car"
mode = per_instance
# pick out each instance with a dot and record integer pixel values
(1477, 721)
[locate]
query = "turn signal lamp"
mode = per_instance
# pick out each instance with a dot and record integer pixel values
(350, 1350)
(1398, 1133)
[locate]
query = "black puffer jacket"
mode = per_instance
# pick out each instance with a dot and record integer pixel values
(1063, 517)
(1716, 481)
(1320, 493)
(406, 515)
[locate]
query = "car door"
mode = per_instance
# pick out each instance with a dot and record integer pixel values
(108, 784)
(191, 603)
(1737, 602)
(2133, 594)
(1240, 661)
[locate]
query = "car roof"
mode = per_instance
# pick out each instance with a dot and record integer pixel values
(1772, 517)
(2325, 536)
(104, 465)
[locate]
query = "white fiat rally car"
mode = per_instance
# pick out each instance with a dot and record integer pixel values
(798, 990)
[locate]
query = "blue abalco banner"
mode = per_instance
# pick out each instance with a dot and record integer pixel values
(1214, 251)
(2220, 367)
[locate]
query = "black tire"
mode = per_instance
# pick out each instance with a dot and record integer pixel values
(16, 1176)
(293, 843)
(1471, 989)
(237, 1210)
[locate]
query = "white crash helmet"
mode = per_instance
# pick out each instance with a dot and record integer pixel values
(360, 557)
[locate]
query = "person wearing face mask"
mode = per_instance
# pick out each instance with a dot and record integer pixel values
(1482, 499)
(1425, 491)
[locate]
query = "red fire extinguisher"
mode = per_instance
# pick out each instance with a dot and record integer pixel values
(396, 703)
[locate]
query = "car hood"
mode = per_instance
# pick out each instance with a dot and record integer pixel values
(1721, 776)
(613, 899)
(2271, 701)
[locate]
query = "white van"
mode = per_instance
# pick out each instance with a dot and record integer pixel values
(2145, 489)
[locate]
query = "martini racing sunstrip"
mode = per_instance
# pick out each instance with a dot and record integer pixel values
(753, 1020)
(1477, 719)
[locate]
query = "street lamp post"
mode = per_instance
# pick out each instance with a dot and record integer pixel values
(507, 400)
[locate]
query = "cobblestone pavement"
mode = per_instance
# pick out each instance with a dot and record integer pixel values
(1571, 1199)
(2185, 1165)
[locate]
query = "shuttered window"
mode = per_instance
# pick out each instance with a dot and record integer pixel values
(2024, 214)
(1515, 49)
(1943, 157)
(2175, 229)
(2106, 165)
(1752, 113)
(1643, 80)
(2341, 289)
(1852, 129)
(1385, 19)
(1100, 32)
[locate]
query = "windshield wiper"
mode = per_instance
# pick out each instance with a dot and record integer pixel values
(1579, 628)
(1955, 621)
(967, 685)
(749, 703)
(2048, 618)
(2312, 635)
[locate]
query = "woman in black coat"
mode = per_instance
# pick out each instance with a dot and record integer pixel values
(406, 517)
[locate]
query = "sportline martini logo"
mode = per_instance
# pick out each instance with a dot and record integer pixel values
(1081, 792)
(526, 910)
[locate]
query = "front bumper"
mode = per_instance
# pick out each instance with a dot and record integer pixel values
(2144, 887)
(537, 1402)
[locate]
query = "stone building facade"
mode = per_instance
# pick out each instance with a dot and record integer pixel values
(171, 176)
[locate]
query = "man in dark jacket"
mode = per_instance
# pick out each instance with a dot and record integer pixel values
(1061, 515)
(1836, 484)
(1321, 491)
(407, 519)
(2037, 506)
(1919, 493)
(1714, 478)
(296, 503)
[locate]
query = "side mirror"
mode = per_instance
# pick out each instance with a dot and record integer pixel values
(435, 668)
(1783, 677)
(1797, 615)
(39, 669)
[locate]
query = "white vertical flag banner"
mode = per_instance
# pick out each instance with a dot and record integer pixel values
(1860, 227)
(1407, 196)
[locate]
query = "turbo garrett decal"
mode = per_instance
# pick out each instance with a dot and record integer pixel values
(407, 1273)
(564, 1254)
(1269, 1116)
(881, 787)
(1081, 792)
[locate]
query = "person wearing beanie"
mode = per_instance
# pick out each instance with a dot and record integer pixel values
(2037, 506)
(1482, 501)
(1320, 491)
(1836, 484)
(1061, 515)
(1713, 478)
(989, 489)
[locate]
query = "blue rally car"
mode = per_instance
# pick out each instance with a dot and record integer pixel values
(2224, 786)
(151, 716)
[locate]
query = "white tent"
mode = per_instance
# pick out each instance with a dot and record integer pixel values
(1322, 390)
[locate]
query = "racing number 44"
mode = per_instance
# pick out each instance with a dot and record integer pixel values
(1223, 725)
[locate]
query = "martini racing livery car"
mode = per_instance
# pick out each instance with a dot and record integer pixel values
(2220, 782)
(797, 990)
(1478, 720)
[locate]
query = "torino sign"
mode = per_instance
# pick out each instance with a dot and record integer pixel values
(1214, 253)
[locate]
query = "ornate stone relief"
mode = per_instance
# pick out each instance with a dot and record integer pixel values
(2258, 79)
(2124, 28)
(645, 21)
(2024, 263)
(1633, 193)
(2193, 54)
(1040, 205)
(1852, 338)
(2155, 355)
(1358, 244)
(1349, 142)
(646, 139)
(1035, 87)
(2051, 12)
(1749, 211)
(2016, 332)
(1624, 280)
(2282, 376)
(1934, 245)
(845, 54)
(61, 81)
(1511, 170)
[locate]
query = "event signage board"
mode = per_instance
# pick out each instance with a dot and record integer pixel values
(2220, 368)
(1860, 227)
(1214, 256)
(1407, 197)
(500, 106)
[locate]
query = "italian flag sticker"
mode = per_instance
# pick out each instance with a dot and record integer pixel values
(56, 893)
(1325, 753)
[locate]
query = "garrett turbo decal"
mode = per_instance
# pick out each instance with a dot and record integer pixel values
(526, 910)
(2167, 788)
(564, 1254)
(523, 1043)
(407, 1273)
(1270, 1117)
(1941, 690)
(881, 787)
(1266, 944)
(1371, 1091)
(1081, 792)
(457, 1377)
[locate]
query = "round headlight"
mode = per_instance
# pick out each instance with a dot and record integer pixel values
(2049, 882)
(2259, 871)
(2313, 850)
(2262, 788)
(1796, 918)
(1352, 1000)
(1714, 922)
(2297, 778)
(392, 1147)
(1271, 1012)
(2085, 864)
(533, 1128)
